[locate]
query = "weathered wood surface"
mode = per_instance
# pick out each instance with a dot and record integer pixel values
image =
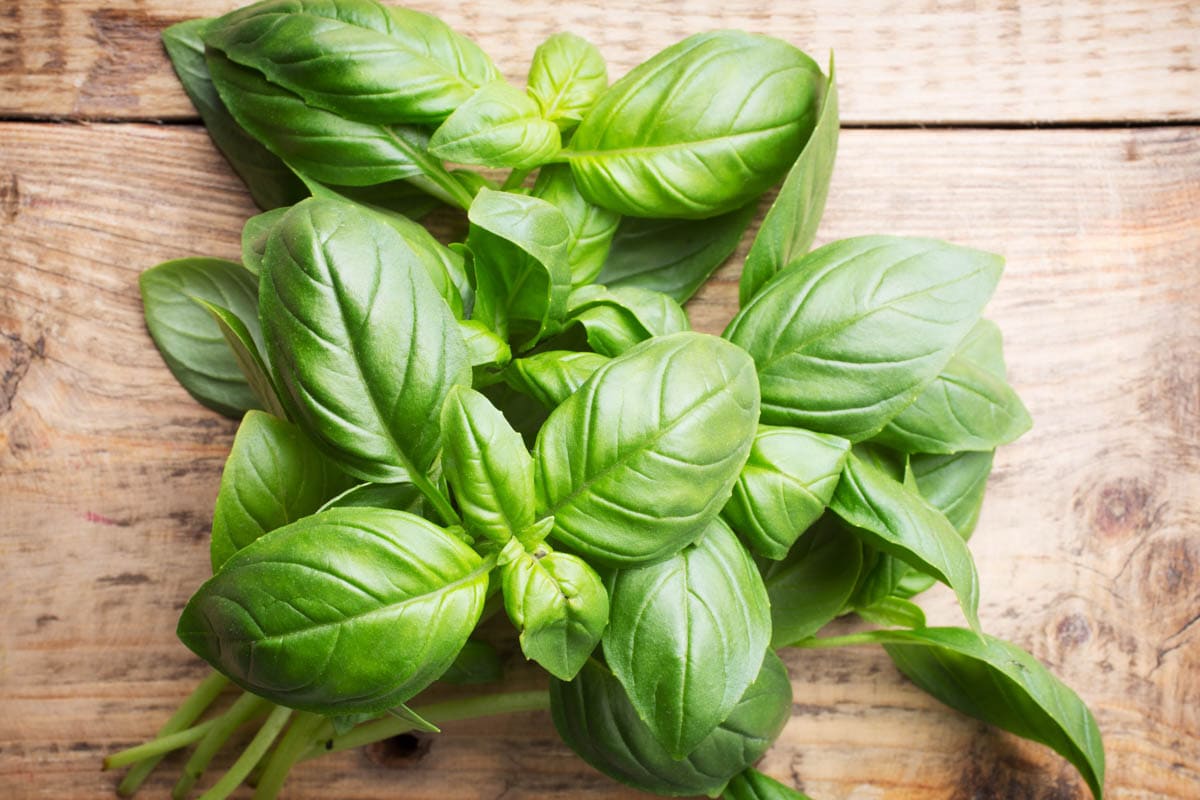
(915, 61)
(1087, 548)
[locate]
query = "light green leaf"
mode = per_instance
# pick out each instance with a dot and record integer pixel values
(246, 351)
(614, 320)
(591, 227)
(566, 77)
(554, 375)
(499, 126)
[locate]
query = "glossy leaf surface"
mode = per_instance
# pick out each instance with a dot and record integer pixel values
(848, 336)
(591, 227)
(553, 376)
(189, 339)
(349, 610)
(635, 464)
(687, 636)
(614, 320)
(498, 126)
(700, 129)
(477, 663)
(566, 77)
(753, 785)
(246, 351)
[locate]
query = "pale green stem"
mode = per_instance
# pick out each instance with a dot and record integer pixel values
(250, 756)
(849, 640)
(292, 746)
(515, 179)
(191, 708)
(239, 713)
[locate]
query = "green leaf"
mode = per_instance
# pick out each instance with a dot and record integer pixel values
(673, 256)
(418, 722)
(560, 606)
(554, 375)
(590, 227)
(360, 340)
(522, 278)
(499, 126)
(614, 320)
(356, 58)
(784, 488)
(484, 348)
(594, 717)
(635, 464)
(811, 586)
(189, 339)
(897, 520)
(791, 223)
(687, 635)
(566, 77)
(350, 610)
(270, 181)
(701, 128)
(394, 197)
(396, 496)
(478, 662)
(848, 336)
(893, 612)
(254, 237)
(753, 785)
(968, 406)
(525, 414)
(246, 351)
(274, 476)
(487, 466)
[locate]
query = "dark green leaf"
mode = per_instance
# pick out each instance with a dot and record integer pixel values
(591, 227)
(560, 606)
(674, 256)
(189, 339)
(700, 129)
(270, 181)
(810, 587)
(499, 126)
(635, 464)
(753, 785)
(785, 486)
(566, 77)
(616, 319)
(476, 663)
(895, 519)
(791, 223)
(686, 636)
(360, 339)
(594, 717)
(524, 413)
(350, 610)
(246, 351)
(254, 237)
(553, 376)
(356, 58)
(848, 336)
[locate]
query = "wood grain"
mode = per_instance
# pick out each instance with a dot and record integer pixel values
(1087, 546)
(900, 61)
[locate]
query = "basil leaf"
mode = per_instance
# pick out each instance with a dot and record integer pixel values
(499, 126)
(478, 662)
(525, 414)
(487, 466)
(274, 476)
(566, 77)
(349, 610)
(687, 635)
(356, 58)
(893, 611)
(519, 245)
(189, 339)
(753, 785)
(594, 717)
(554, 375)
(247, 354)
(590, 227)
(360, 341)
(701, 128)
(270, 181)
(559, 605)
(614, 320)
(673, 256)
(484, 348)
(254, 238)
(897, 520)
(784, 488)
(810, 587)
(396, 496)
(635, 464)
(968, 406)
(791, 223)
(394, 197)
(848, 336)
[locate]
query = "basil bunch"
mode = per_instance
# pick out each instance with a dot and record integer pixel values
(524, 421)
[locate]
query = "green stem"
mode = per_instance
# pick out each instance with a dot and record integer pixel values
(434, 177)
(196, 704)
(849, 640)
(291, 747)
(515, 179)
(436, 498)
(160, 746)
(239, 713)
(250, 756)
(437, 713)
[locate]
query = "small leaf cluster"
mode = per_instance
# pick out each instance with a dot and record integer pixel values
(524, 421)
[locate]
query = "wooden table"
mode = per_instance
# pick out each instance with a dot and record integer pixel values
(1065, 135)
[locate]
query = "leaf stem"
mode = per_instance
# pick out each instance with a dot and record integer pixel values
(437, 498)
(849, 640)
(437, 713)
(240, 712)
(515, 179)
(159, 746)
(187, 713)
(250, 756)
(291, 747)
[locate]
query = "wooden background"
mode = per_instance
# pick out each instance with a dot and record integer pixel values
(1065, 135)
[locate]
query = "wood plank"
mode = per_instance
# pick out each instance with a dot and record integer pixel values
(1087, 547)
(901, 61)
